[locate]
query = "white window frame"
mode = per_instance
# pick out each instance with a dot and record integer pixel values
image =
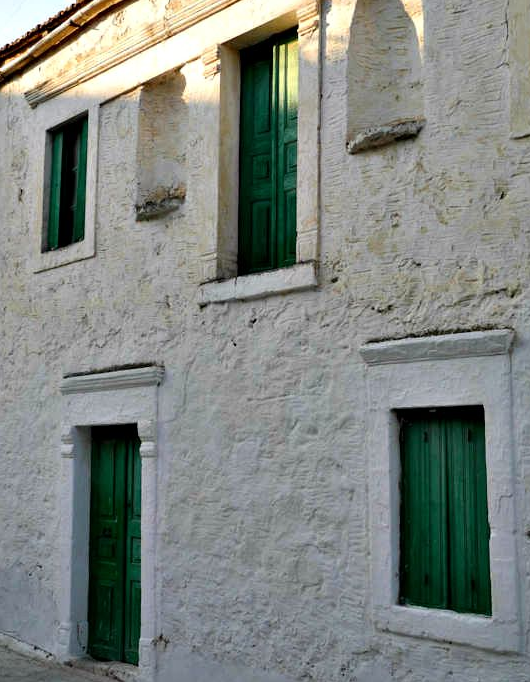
(443, 371)
(49, 116)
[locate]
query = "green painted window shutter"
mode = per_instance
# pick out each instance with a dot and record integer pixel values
(66, 215)
(444, 530)
(268, 154)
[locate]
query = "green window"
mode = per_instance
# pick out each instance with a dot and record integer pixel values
(444, 530)
(268, 151)
(66, 212)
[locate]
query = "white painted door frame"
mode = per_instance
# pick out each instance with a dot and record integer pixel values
(105, 399)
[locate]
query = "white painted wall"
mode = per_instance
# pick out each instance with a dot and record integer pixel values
(264, 540)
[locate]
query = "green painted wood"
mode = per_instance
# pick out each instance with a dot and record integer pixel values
(55, 190)
(444, 531)
(287, 58)
(269, 106)
(133, 552)
(115, 513)
(423, 515)
(467, 513)
(80, 177)
(66, 220)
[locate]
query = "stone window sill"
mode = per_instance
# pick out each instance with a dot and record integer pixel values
(47, 260)
(448, 626)
(282, 281)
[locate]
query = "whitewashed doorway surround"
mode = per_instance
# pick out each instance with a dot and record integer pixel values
(128, 396)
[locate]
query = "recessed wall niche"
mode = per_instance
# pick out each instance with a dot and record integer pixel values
(162, 143)
(385, 98)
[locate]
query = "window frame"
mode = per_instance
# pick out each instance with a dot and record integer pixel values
(434, 507)
(78, 130)
(275, 50)
(219, 280)
(443, 371)
(50, 116)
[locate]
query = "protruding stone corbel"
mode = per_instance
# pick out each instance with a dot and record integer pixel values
(211, 60)
(67, 443)
(308, 18)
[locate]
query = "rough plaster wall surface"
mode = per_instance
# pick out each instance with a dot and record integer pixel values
(263, 548)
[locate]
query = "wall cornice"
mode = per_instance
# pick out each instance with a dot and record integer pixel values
(443, 347)
(73, 24)
(110, 381)
(137, 42)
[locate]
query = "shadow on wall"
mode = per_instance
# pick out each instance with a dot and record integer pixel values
(162, 140)
(385, 64)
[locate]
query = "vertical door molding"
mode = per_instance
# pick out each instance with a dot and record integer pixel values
(147, 432)
(104, 399)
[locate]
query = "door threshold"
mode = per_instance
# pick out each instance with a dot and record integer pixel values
(116, 670)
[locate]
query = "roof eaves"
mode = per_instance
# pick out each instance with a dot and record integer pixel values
(39, 41)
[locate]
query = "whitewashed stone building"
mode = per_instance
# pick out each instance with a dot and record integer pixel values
(264, 337)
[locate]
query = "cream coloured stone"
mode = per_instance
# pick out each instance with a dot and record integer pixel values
(264, 508)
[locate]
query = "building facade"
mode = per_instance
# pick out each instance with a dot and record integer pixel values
(264, 339)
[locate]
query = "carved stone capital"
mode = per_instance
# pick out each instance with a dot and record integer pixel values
(147, 432)
(211, 60)
(67, 443)
(308, 18)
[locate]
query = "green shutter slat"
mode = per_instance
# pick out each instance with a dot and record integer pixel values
(444, 531)
(80, 191)
(114, 557)
(469, 538)
(424, 527)
(269, 104)
(55, 190)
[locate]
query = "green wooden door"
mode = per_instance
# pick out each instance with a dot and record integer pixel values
(268, 154)
(444, 526)
(115, 514)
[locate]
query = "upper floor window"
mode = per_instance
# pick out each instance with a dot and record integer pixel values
(67, 184)
(268, 155)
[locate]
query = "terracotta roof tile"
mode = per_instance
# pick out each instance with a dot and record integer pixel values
(31, 37)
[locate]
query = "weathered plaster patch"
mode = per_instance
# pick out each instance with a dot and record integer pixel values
(160, 203)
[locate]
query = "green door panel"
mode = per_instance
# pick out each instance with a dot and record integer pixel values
(268, 139)
(115, 513)
(287, 55)
(444, 530)
(132, 558)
